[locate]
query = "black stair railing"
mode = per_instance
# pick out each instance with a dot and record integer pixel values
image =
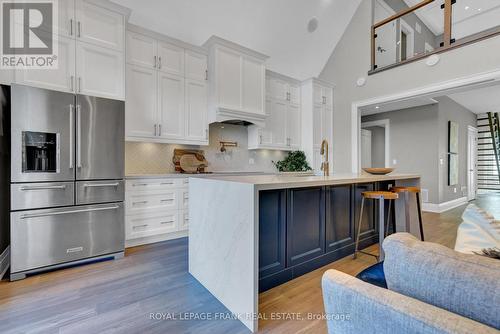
(494, 123)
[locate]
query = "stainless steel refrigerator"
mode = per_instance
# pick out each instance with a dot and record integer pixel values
(67, 188)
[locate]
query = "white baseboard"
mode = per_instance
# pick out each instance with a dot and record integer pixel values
(4, 261)
(443, 207)
(155, 238)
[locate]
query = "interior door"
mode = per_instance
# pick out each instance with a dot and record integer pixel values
(366, 148)
(472, 163)
(385, 48)
(42, 135)
(100, 146)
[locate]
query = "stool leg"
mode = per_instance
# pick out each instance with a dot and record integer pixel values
(407, 212)
(359, 227)
(381, 218)
(419, 208)
(389, 213)
(394, 215)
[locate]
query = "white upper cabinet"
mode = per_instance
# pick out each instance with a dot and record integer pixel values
(100, 71)
(237, 82)
(141, 102)
(282, 130)
(170, 58)
(91, 51)
(171, 106)
(173, 74)
(98, 25)
(141, 50)
(317, 119)
(6, 77)
(196, 65)
(61, 79)
(196, 110)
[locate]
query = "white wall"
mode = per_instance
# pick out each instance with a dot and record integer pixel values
(351, 60)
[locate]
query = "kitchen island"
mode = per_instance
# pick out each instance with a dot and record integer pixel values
(250, 233)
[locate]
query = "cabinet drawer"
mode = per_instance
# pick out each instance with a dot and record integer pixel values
(165, 200)
(41, 195)
(153, 184)
(151, 223)
(89, 192)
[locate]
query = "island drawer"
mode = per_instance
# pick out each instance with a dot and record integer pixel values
(140, 201)
(141, 185)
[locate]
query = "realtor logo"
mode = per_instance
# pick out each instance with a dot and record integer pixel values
(29, 39)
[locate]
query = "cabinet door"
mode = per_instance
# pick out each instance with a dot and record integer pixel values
(276, 122)
(339, 223)
(100, 71)
(305, 225)
(295, 94)
(141, 102)
(272, 232)
(171, 106)
(141, 50)
(368, 226)
(196, 66)
(293, 126)
(266, 133)
(170, 58)
(196, 110)
(99, 26)
(278, 89)
(6, 77)
(253, 82)
(229, 79)
(61, 79)
(317, 127)
(66, 20)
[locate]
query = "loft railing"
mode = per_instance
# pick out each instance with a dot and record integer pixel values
(427, 27)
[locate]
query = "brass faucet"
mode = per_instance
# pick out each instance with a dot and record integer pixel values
(325, 165)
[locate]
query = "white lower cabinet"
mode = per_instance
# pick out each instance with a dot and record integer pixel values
(156, 210)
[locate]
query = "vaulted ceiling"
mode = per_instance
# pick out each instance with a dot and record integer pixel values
(277, 28)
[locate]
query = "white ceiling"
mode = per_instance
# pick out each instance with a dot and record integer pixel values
(469, 16)
(277, 28)
(397, 105)
(479, 101)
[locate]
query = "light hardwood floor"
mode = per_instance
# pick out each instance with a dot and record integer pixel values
(119, 296)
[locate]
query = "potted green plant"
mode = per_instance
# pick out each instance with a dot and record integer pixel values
(294, 163)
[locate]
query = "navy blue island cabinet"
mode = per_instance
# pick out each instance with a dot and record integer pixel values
(303, 229)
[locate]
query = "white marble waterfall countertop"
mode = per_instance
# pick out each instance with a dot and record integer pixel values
(265, 182)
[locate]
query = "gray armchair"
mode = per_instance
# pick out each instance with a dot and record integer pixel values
(431, 289)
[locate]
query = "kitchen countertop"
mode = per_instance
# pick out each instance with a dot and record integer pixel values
(184, 175)
(263, 182)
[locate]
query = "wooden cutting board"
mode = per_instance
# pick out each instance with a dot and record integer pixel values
(189, 161)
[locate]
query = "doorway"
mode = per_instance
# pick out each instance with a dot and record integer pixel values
(375, 151)
(472, 137)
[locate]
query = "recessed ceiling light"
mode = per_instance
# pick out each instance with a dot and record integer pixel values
(479, 9)
(467, 7)
(377, 107)
(312, 25)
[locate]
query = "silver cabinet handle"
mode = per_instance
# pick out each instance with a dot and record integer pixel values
(159, 130)
(159, 63)
(101, 185)
(27, 188)
(79, 29)
(79, 84)
(167, 222)
(166, 183)
(140, 202)
(140, 226)
(79, 136)
(49, 214)
(206, 134)
(260, 139)
(71, 83)
(154, 60)
(71, 27)
(155, 130)
(166, 200)
(206, 75)
(139, 185)
(71, 134)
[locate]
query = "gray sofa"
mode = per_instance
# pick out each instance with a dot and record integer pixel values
(431, 289)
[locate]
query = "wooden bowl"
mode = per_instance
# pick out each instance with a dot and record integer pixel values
(379, 171)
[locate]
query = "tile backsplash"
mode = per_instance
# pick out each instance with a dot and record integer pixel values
(150, 158)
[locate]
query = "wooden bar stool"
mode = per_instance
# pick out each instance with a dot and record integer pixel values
(407, 191)
(381, 196)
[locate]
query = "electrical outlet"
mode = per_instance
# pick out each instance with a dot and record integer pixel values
(394, 162)
(441, 162)
(455, 190)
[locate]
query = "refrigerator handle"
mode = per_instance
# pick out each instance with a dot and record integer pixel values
(71, 134)
(79, 136)
(58, 213)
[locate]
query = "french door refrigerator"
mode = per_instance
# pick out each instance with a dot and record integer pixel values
(67, 188)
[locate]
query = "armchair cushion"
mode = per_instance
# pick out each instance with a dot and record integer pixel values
(464, 284)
